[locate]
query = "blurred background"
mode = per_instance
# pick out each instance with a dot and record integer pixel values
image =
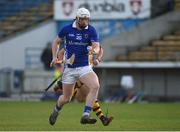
(141, 41)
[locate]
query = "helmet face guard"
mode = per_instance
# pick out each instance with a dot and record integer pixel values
(82, 18)
(82, 22)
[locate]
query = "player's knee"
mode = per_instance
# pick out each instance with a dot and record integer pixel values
(95, 87)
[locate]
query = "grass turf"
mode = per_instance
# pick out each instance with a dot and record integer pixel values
(34, 116)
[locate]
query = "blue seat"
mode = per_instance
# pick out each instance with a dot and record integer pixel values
(12, 7)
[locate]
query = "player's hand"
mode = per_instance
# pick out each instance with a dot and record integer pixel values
(95, 62)
(55, 61)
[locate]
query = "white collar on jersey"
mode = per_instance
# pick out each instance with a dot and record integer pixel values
(74, 25)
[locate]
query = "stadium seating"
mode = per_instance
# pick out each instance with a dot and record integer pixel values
(18, 15)
(12, 7)
(166, 49)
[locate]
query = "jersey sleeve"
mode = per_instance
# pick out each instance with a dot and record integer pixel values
(62, 33)
(94, 35)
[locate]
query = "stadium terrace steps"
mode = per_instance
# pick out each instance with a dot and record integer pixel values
(177, 4)
(167, 49)
(148, 49)
(26, 18)
(172, 37)
(142, 56)
(121, 58)
(177, 33)
(166, 43)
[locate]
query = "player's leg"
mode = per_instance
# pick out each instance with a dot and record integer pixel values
(90, 79)
(76, 88)
(74, 93)
(104, 119)
(63, 99)
(81, 94)
(68, 80)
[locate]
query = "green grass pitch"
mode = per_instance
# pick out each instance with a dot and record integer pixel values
(26, 116)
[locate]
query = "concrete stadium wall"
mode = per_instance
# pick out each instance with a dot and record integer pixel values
(142, 34)
(12, 51)
(153, 82)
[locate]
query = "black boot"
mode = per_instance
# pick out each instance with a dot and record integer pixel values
(87, 120)
(106, 120)
(53, 117)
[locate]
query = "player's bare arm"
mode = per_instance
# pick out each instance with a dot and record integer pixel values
(60, 55)
(96, 50)
(55, 47)
(100, 55)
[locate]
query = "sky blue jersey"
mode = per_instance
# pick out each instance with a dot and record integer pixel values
(77, 41)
